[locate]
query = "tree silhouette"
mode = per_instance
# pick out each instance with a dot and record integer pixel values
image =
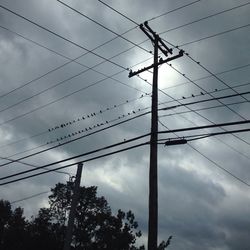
(13, 232)
(95, 227)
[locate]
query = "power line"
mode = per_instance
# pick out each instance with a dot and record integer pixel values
(219, 166)
(61, 37)
(74, 60)
(36, 94)
(168, 12)
(206, 100)
(203, 94)
(63, 65)
(216, 164)
(101, 124)
(126, 17)
(211, 92)
(31, 165)
(202, 109)
(207, 70)
(206, 135)
(214, 75)
(209, 76)
(204, 18)
(23, 139)
(177, 113)
(134, 112)
(72, 140)
(184, 75)
(29, 197)
(198, 20)
(59, 99)
(36, 109)
(128, 141)
(203, 67)
(212, 107)
(83, 161)
(101, 25)
(204, 127)
(153, 18)
(224, 11)
(110, 108)
(96, 113)
(101, 111)
(214, 35)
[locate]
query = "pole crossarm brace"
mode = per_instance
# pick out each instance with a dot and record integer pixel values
(157, 41)
(161, 61)
(167, 50)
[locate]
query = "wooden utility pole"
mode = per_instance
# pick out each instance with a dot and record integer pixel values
(153, 171)
(153, 177)
(72, 213)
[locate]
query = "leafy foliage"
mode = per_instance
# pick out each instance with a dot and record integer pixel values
(95, 227)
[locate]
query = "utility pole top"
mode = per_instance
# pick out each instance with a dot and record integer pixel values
(72, 213)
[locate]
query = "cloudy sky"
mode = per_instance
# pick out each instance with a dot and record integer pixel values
(78, 68)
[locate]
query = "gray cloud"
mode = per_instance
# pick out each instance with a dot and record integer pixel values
(199, 204)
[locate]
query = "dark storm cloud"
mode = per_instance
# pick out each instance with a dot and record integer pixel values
(203, 207)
